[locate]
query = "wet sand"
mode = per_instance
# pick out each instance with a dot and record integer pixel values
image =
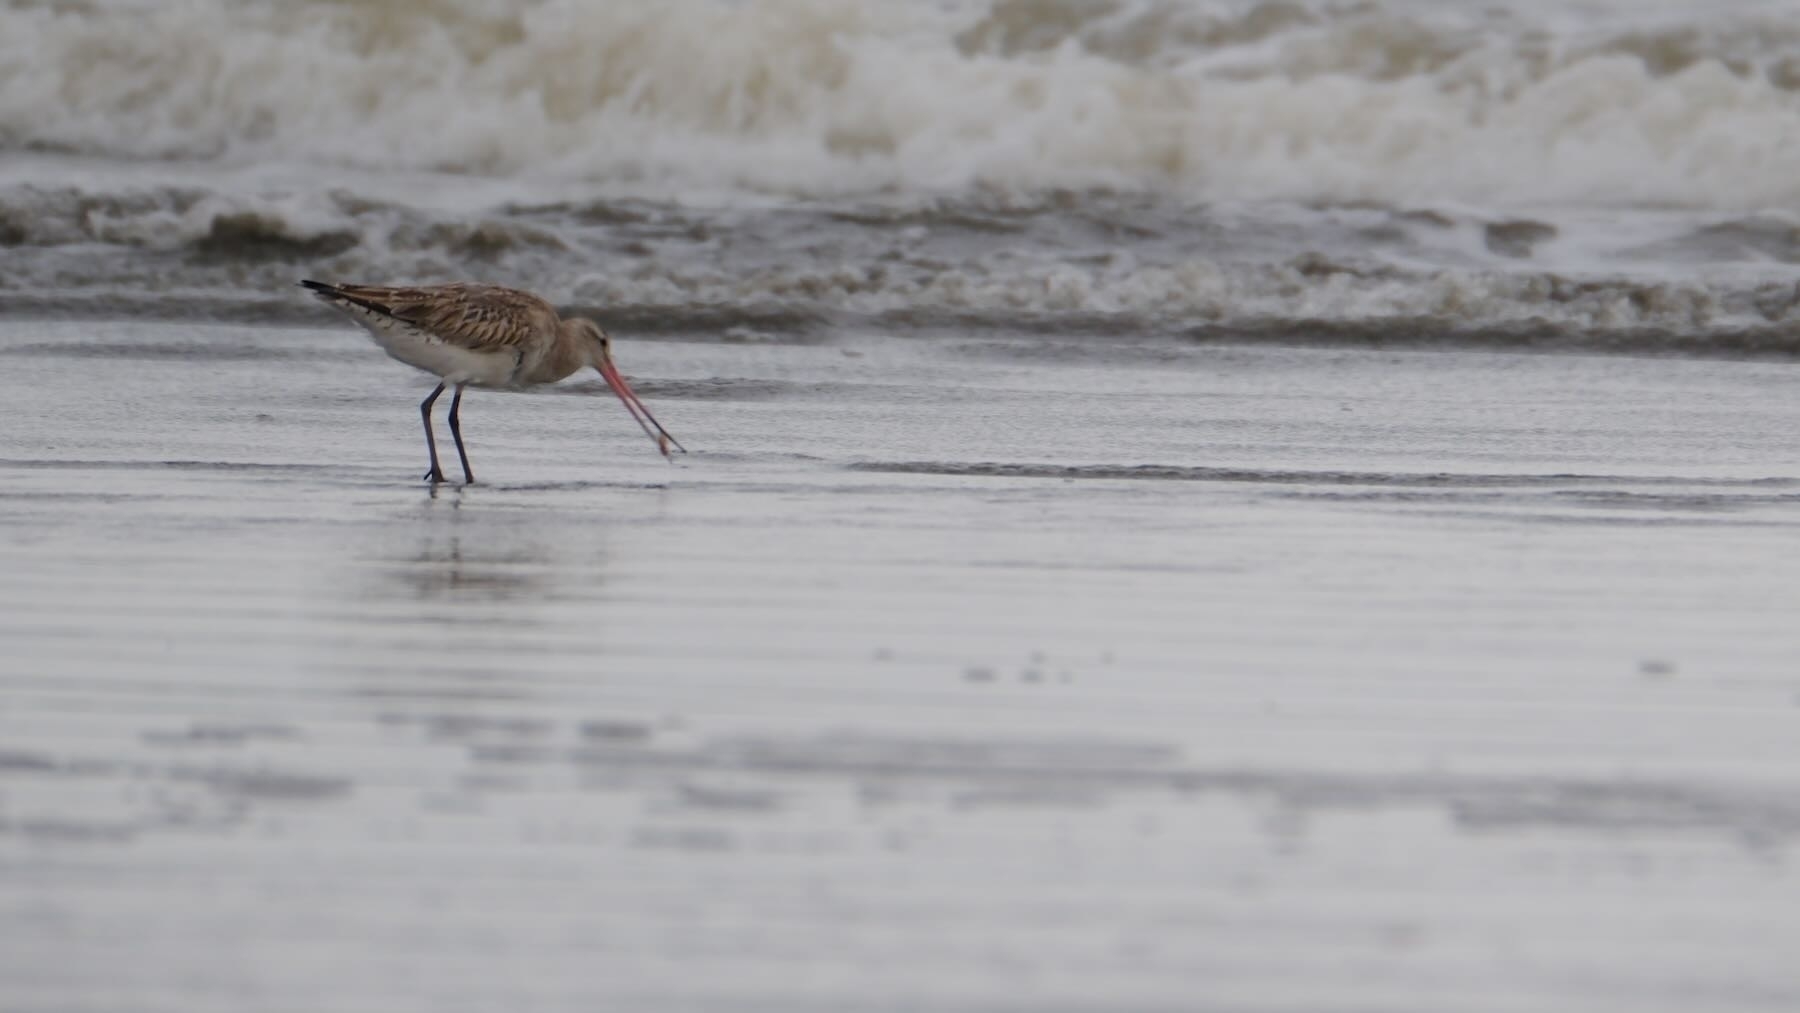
(945, 674)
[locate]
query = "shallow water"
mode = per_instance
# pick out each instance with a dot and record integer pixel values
(944, 674)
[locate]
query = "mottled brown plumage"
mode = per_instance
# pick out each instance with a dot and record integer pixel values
(477, 317)
(483, 336)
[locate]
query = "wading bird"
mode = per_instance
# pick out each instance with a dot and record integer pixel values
(483, 336)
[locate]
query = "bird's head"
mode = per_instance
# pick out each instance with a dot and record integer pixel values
(599, 352)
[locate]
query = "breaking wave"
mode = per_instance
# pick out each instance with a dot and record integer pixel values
(1307, 100)
(1612, 176)
(1362, 275)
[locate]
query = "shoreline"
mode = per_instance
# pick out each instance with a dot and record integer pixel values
(1775, 342)
(1463, 682)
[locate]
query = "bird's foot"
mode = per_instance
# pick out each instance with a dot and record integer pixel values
(434, 476)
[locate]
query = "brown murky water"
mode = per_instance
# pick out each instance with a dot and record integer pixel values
(944, 675)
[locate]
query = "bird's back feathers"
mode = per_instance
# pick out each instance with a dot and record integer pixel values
(479, 318)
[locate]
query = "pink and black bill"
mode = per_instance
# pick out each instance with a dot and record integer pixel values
(636, 407)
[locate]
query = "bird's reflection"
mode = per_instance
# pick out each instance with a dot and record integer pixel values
(458, 601)
(465, 552)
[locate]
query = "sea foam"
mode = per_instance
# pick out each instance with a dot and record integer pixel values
(1611, 103)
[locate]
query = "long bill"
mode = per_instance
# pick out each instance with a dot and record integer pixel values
(639, 412)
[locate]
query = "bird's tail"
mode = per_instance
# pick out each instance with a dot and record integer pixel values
(339, 297)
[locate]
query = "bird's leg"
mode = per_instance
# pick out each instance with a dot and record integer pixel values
(456, 433)
(436, 474)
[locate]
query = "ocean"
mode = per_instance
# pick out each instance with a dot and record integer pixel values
(1278, 507)
(1604, 175)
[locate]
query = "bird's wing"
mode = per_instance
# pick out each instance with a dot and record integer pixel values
(480, 318)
